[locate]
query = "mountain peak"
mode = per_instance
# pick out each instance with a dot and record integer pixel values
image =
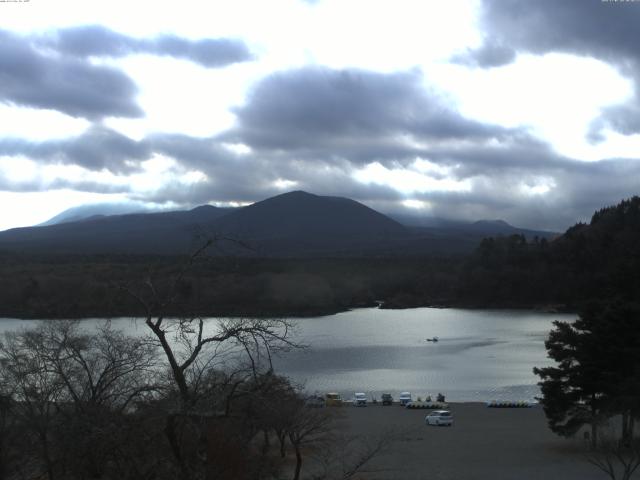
(204, 208)
(296, 193)
(293, 195)
(309, 221)
(495, 223)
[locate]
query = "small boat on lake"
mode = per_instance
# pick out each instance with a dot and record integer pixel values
(432, 339)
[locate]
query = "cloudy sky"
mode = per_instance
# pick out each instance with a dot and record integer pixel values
(527, 111)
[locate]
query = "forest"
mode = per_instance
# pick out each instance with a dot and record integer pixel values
(600, 259)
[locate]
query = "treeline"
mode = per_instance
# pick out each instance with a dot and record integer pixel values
(92, 286)
(599, 260)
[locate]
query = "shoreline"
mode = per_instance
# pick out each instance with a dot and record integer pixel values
(299, 314)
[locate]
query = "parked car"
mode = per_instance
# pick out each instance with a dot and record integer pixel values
(359, 399)
(314, 401)
(439, 417)
(333, 400)
(387, 399)
(405, 397)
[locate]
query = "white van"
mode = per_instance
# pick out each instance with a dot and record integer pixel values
(405, 398)
(360, 399)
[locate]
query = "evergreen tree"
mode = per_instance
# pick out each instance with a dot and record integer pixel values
(598, 370)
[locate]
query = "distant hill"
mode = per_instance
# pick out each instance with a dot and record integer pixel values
(289, 225)
(83, 212)
(143, 233)
(482, 228)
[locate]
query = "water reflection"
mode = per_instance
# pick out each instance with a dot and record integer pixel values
(480, 355)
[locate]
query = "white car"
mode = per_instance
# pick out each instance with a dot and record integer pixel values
(439, 417)
(360, 400)
(405, 397)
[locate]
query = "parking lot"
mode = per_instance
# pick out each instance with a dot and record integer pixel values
(484, 443)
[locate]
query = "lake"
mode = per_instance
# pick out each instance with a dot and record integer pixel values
(481, 354)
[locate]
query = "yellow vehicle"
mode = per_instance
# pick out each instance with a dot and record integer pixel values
(333, 400)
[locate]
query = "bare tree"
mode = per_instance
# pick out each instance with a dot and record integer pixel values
(35, 393)
(6, 432)
(101, 368)
(618, 459)
(308, 427)
(184, 338)
(70, 390)
(191, 346)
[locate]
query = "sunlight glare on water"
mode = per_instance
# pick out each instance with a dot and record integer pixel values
(481, 354)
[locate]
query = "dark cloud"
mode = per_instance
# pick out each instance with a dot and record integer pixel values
(87, 186)
(208, 52)
(98, 41)
(255, 179)
(624, 119)
(346, 113)
(490, 54)
(530, 185)
(233, 177)
(316, 127)
(523, 154)
(97, 149)
(87, 41)
(43, 185)
(53, 71)
(199, 153)
(32, 79)
(604, 30)
(502, 178)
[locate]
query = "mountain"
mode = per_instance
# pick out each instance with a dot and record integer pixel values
(301, 214)
(300, 222)
(295, 223)
(83, 212)
(480, 228)
(142, 233)
(500, 227)
(409, 220)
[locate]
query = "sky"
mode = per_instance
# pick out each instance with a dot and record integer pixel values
(526, 111)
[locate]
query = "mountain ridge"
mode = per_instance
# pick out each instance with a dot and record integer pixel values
(295, 223)
(291, 223)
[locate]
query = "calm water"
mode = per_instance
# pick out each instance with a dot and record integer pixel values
(481, 354)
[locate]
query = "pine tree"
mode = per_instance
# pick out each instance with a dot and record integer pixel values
(598, 370)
